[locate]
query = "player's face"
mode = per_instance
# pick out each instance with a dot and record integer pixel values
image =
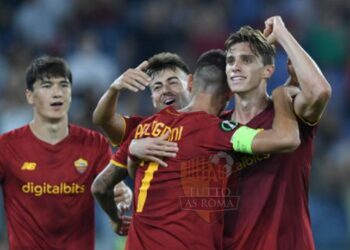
(51, 98)
(170, 88)
(245, 71)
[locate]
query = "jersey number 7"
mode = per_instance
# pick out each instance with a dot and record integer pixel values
(145, 184)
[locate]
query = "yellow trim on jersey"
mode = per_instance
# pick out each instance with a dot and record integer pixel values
(242, 139)
(146, 182)
(122, 137)
(118, 164)
(171, 113)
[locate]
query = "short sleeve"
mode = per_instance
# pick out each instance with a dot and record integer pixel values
(131, 123)
(120, 157)
(104, 155)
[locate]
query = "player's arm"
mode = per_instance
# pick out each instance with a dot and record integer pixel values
(150, 149)
(102, 190)
(315, 91)
(105, 115)
(133, 164)
(284, 135)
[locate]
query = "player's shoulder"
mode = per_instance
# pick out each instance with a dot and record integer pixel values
(168, 113)
(79, 133)
(199, 119)
(203, 116)
(15, 134)
(134, 118)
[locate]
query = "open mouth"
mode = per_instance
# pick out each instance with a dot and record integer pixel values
(56, 104)
(169, 101)
(237, 78)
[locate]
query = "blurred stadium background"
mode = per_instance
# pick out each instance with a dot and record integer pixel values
(101, 39)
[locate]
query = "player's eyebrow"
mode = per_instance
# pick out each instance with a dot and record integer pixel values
(45, 81)
(168, 79)
(48, 80)
(248, 56)
(157, 83)
(172, 78)
(65, 81)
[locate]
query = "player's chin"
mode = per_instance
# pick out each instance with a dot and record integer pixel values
(235, 88)
(175, 105)
(56, 116)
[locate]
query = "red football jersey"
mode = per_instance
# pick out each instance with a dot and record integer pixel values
(46, 188)
(273, 189)
(131, 122)
(181, 206)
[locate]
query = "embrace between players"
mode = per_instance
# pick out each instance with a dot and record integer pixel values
(171, 154)
(204, 179)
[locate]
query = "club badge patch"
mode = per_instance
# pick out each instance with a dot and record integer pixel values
(81, 165)
(228, 126)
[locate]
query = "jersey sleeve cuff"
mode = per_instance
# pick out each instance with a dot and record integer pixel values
(118, 164)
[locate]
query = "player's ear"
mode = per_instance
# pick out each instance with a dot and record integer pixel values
(268, 71)
(190, 83)
(29, 96)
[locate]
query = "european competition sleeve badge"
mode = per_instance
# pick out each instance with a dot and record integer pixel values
(228, 126)
(81, 165)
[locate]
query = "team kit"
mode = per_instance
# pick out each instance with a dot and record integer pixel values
(204, 177)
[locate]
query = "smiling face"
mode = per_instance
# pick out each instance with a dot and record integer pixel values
(170, 88)
(51, 98)
(244, 69)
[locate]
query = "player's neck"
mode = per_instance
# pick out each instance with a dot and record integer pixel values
(50, 132)
(203, 102)
(249, 105)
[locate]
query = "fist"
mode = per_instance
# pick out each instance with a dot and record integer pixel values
(274, 28)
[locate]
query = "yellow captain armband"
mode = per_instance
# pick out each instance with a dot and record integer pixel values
(242, 139)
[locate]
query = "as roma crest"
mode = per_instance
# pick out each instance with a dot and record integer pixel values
(81, 165)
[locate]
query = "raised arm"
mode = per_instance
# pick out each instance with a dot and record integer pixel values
(284, 135)
(105, 115)
(315, 91)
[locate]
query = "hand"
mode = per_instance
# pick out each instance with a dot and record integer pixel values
(292, 91)
(122, 227)
(274, 28)
(153, 149)
(133, 79)
(122, 195)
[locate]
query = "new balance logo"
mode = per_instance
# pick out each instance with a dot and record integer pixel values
(28, 166)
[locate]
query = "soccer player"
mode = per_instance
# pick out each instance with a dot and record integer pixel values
(163, 217)
(273, 207)
(167, 75)
(47, 167)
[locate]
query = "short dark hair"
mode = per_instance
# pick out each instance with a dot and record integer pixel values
(47, 66)
(258, 43)
(210, 72)
(165, 60)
